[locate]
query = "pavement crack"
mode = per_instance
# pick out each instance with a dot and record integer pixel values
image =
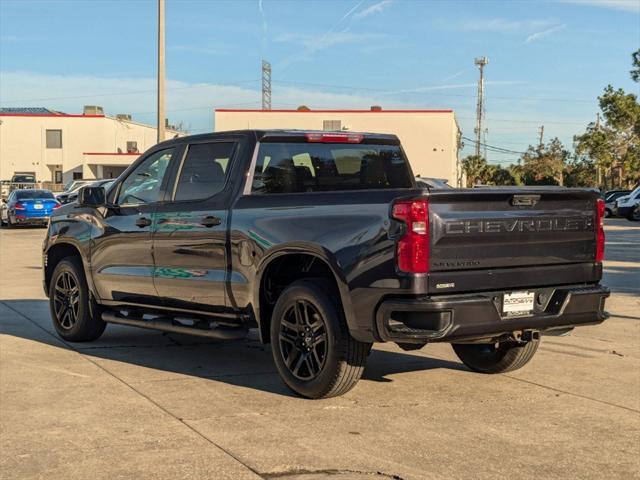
(559, 390)
(329, 472)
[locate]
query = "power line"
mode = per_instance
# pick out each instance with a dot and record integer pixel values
(433, 92)
(493, 147)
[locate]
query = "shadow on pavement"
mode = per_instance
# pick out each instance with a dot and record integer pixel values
(246, 363)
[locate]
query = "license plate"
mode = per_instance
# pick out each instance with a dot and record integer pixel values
(38, 206)
(517, 303)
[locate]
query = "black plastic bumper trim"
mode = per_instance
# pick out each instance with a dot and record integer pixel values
(478, 315)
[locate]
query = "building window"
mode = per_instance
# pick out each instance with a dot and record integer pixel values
(332, 125)
(132, 147)
(54, 138)
(77, 175)
(57, 176)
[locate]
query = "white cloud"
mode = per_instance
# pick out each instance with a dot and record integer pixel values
(315, 43)
(503, 25)
(264, 24)
(453, 86)
(622, 5)
(543, 33)
(189, 103)
(375, 8)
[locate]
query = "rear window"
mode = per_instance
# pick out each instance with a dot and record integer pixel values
(33, 194)
(325, 167)
(23, 179)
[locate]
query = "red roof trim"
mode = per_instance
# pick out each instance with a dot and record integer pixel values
(107, 153)
(55, 115)
(332, 111)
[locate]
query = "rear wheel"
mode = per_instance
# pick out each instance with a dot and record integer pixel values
(76, 317)
(496, 357)
(312, 348)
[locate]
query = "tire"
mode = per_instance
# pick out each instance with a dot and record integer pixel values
(76, 317)
(334, 361)
(632, 216)
(489, 358)
(607, 213)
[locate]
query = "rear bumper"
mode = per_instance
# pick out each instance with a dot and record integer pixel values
(28, 218)
(475, 316)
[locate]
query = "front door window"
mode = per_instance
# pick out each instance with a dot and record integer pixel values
(142, 186)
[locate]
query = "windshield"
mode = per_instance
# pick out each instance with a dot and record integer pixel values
(324, 167)
(34, 194)
(23, 179)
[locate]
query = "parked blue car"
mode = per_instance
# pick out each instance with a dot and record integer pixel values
(28, 207)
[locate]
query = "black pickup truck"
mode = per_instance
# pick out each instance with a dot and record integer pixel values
(325, 244)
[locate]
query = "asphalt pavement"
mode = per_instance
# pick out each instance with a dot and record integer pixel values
(146, 405)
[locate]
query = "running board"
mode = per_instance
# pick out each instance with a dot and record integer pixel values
(220, 333)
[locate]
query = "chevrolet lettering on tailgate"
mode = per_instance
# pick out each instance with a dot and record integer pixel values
(577, 224)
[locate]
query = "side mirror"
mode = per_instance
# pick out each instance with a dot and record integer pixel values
(91, 197)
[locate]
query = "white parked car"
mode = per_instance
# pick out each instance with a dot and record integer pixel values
(624, 206)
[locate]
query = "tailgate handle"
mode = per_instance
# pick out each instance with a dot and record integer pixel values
(524, 200)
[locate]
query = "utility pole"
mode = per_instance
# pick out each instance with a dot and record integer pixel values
(266, 85)
(161, 72)
(541, 142)
(480, 62)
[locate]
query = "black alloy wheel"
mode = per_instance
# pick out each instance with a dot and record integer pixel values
(66, 300)
(313, 351)
(76, 315)
(303, 340)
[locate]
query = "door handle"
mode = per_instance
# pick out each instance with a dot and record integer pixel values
(143, 222)
(210, 221)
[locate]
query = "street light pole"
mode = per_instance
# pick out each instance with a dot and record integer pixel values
(161, 72)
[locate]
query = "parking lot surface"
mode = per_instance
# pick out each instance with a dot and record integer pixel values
(140, 404)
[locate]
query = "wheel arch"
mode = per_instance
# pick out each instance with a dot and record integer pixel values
(308, 261)
(58, 251)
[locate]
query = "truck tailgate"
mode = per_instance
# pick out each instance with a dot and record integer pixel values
(541, 236)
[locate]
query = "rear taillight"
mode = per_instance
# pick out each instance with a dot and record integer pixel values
(57, 205)
(19, 206)
(600, 208)
(334, 137)
(413, 247)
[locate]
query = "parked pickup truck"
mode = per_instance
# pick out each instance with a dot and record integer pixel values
(323, 242)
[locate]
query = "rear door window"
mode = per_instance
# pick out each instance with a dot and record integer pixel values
(204, 171)
(324, 167)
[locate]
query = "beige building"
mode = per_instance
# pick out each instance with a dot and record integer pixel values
(430, 137)
(58, 147)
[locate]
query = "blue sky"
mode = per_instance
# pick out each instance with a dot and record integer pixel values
(548, 60)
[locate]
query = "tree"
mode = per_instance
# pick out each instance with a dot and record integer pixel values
(614, 147)
(544, 165)
(635, 62)
(580, 173)
(503, 176)
(477, 170)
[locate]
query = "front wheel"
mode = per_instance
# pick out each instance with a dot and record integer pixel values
(312, 348)
(76, 317)
(496, 357)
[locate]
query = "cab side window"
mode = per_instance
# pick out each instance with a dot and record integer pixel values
(204, 171)
(142, 186)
